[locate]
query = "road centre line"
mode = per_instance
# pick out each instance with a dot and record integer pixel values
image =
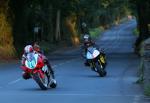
(54, 66)
(147, 98)
(68, 61)
(14, 81)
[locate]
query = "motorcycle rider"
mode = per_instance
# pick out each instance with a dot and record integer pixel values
(28, 49)
(87, 43)
(35, 49)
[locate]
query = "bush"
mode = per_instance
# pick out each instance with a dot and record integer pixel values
(147, 91)
(136, 32)
(141, 73)
(96, 32)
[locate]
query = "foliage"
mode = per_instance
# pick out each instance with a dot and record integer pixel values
(7, 49)
(27, 14)
(141, 73)
(96, 32)
(104, 12)
(147, 91)
(136, 32)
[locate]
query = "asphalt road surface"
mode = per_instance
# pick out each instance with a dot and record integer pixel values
(77, 83)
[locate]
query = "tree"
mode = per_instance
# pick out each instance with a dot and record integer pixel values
(142, 11)
(6, 38)
(60, 20)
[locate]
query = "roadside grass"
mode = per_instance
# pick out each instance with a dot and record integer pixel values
(136, 32)
(141, 73)
(147, 90)
(123, 20)
(95, 32)
(141, 66)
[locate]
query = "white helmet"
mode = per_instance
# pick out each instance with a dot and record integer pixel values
(86, 37)
(28, 49)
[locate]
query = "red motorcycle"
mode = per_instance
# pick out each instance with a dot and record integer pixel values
(38, 70)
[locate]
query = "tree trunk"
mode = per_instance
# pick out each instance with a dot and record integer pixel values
(142, 20)
(7, 49)
(142, 25)
(71, 23)
(57, 34)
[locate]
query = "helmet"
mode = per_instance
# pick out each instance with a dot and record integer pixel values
(86, 38)
(28, 49)
(36, 47)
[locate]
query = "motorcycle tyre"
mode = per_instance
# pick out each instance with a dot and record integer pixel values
(39, 81)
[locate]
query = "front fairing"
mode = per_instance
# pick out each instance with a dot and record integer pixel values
(31, 61)
(92, 53)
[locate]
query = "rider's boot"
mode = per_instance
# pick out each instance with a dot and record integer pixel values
(26, 75)
(86, 63)
(52, 82)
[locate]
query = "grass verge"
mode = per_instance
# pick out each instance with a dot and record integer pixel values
(95, 32)
(147, 90)
(136, 32)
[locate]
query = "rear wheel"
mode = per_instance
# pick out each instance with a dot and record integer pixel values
(102, 73)
(42, 82)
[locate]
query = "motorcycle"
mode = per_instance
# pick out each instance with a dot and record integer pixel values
(97, 60)
(38, 70)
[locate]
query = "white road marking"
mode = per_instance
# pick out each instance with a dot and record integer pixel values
(136, 99)
(14, 81)
(54, 66)
(60, 64)
(148, 98)
(85, 94)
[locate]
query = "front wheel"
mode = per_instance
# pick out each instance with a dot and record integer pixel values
(42, 82)
(53, 83)
(101, 71)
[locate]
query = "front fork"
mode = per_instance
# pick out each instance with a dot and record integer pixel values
(100, 62)
(93, 66)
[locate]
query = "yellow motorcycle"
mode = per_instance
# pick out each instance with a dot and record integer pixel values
(97, 60)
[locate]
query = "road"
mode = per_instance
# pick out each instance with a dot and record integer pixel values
(77, 83)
